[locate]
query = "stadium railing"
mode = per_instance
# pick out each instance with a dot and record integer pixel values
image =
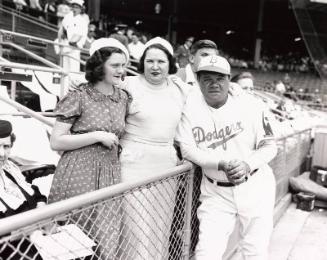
(154, 215)
(23, 23)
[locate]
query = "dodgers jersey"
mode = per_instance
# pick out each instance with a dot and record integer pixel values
(240, 129)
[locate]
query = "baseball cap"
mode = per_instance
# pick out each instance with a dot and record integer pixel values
(214, 63)
(161, 41)
(108, 42)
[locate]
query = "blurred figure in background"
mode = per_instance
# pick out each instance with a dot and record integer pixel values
(245, 80)
(279, 87)
(129, 33)
(36, 9)
(20, 4)
(62, 10)
(182, 53)
(50, 10)
(136, 47)
(91, 35)
(73, 31)
(120, 34)
(199, 49)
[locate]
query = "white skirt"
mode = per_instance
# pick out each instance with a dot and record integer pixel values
(140, 160)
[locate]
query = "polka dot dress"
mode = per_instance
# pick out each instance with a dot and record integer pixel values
(95, 166)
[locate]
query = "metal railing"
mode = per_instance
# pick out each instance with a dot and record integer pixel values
(135, 220)
(16, 20)
(153, 218)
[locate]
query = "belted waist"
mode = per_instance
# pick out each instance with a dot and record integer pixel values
(225, 183)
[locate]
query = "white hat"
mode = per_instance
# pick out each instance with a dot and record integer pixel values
(161, 41)
(107, 42)
(214, 63)
(77, 2)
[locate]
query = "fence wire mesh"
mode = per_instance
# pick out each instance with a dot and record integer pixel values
(148, 222)
(152, 221)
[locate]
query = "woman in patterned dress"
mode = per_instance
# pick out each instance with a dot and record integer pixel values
(90, 122)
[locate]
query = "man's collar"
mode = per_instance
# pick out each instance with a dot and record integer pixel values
(190, 75)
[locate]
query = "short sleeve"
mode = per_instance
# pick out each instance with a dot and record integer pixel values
(135, 96)
(127, 98)
(68, 108)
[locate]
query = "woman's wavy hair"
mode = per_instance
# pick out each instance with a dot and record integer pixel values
(171, 59)
(94, 68)
(12, 138)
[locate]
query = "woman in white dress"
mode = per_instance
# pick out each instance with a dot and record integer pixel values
(156, 108)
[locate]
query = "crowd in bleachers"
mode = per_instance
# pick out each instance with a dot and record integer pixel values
(54, 10)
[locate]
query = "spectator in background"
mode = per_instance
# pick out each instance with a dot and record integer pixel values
(50, 10)
(245, 80)
(119, 34)
(91, 35)
(279, 87)
(199, 49)
(16, 195)
(129, 34)
(62, 10)
(144, 38)
(182, 53)
(36, 9)
(20, 4)
(73, 31)
(136, 47)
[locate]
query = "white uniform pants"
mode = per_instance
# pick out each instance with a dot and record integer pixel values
(251, 202)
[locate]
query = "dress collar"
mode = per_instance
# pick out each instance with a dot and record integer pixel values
(96, 95)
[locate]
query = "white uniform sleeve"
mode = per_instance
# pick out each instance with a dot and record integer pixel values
(266, 148)
(190, 150)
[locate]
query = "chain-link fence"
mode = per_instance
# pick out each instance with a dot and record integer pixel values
(150, 219)
(140, 220)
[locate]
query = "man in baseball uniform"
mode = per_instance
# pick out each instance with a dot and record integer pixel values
(232, 140)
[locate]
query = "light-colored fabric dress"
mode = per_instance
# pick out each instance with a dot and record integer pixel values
(148, 150)
(94, 166)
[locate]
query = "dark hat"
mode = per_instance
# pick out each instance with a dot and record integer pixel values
(121, 26)
(5, 128)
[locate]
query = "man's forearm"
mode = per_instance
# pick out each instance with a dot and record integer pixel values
(205, 159)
